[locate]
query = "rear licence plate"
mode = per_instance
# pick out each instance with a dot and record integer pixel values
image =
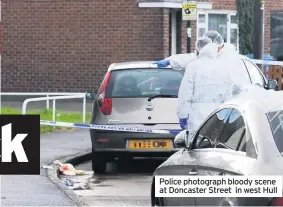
(150, 144)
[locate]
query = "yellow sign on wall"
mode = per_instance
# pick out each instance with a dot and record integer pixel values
(189, 10)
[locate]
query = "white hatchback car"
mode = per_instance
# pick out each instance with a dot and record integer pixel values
(256, 75)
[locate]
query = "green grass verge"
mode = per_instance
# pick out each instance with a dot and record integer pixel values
(47, 115)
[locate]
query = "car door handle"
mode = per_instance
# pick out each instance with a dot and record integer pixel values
(193, 172)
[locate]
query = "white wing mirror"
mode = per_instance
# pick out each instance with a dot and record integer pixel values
(272, 84)
(182, 139)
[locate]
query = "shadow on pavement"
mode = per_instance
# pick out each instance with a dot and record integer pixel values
(135, 166)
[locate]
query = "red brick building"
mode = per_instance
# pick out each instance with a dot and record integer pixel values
(0, 33)
(68, 45)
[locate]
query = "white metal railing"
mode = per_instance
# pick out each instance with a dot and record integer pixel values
(45, 94)
(54, 98)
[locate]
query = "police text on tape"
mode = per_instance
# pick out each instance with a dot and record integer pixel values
(218, 186)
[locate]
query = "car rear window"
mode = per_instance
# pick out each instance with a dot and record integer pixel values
(276, 123)
(144, 82)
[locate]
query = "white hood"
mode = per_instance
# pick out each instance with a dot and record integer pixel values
(210, 51)
(203, 88)
(228, 48)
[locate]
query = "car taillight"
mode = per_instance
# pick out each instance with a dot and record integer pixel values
(105, 104)
(277, 202)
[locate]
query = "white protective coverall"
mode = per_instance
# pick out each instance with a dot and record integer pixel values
(230, 59)
(180, 61)
(204, 87)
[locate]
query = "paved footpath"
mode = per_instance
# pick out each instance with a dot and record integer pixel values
(125, 184)
(38, 190)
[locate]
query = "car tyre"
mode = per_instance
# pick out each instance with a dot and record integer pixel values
(98, 163)
(159, 202)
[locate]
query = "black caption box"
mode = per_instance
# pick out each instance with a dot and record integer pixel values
(20, 124)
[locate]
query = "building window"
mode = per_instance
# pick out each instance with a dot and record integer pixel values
(201, 18)
(276, 35)
(225, 22)
(219, 23)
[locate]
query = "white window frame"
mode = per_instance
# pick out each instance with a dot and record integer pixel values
(229, 24)
(173, 31)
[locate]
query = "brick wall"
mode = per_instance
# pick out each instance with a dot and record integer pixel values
(68, 45)
(194, 35)
(184, 37)
(0, 39)
(0, 30)
(166, 32)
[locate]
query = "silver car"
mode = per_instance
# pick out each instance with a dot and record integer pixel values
(135, 94)
(242, 137)
(138, 94)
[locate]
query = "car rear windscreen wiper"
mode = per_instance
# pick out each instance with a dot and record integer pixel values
(162, 96)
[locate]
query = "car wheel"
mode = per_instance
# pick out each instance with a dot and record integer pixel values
(159, 202)
(98, 162)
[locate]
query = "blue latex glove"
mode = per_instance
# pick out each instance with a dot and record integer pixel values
(183, 123)
(162, 63)
(68, 182)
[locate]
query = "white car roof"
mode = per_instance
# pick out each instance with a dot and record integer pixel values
(244, 57)
(141, 64)
(133, 65)
(268, 100)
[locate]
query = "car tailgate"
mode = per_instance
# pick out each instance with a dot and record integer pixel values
(142, 111)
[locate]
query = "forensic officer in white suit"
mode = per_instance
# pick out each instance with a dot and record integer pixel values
(204, 87)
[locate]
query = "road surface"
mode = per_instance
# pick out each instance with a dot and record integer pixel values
(125, 184)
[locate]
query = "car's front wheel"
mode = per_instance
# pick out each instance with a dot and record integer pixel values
(155, 201)
(99, 162)
(158, 202)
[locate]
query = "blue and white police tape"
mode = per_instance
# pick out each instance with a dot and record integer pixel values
(108, 127)
(267, 62)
